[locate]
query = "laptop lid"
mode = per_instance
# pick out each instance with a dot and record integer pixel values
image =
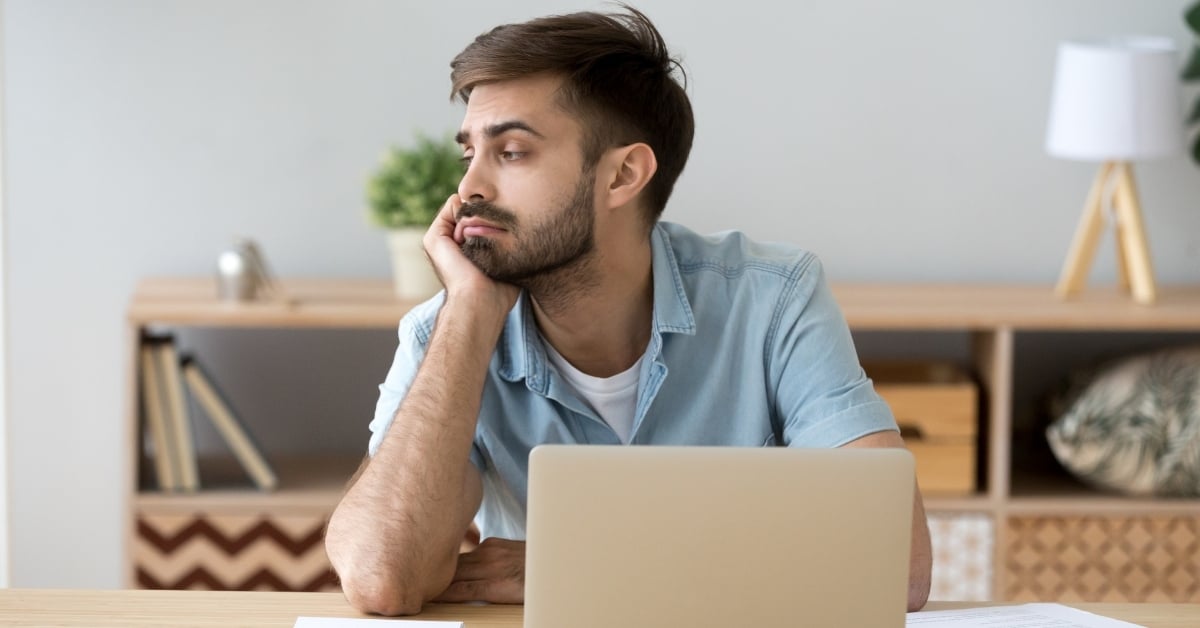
(717, 536)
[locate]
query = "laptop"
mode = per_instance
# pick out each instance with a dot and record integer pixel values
(717, 536)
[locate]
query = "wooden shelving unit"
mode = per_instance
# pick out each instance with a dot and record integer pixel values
(1015, 503)
(229, 535)
(1052, 538)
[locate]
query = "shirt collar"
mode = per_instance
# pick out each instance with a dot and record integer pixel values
(672, 310)
(520, 349)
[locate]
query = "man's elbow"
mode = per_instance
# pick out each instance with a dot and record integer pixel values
(379, 596)
(918, 589)
(369, 585)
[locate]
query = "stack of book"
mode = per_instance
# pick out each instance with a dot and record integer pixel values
(166, 380)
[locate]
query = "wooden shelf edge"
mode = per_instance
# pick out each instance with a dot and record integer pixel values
(1048, 492)
(237, 502)
(939, 504)
(1100, 505)
(309, 303)
(1027, 307)
(306, 483)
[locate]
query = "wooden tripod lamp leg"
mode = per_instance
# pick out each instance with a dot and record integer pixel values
(1122, 263)
(1119, 235)
(1087, 236)
(1134, 245)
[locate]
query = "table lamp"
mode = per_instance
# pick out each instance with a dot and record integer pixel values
(1115, 101)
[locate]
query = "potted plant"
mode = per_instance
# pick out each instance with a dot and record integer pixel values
(405, 194)
(1191, 72)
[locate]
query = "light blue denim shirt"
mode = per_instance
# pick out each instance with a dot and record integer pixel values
(748, 348)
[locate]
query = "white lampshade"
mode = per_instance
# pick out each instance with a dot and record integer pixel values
(1116, 99)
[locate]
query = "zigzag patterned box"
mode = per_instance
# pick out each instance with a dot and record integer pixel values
(265, 552)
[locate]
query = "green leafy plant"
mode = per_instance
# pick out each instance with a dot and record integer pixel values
(1191, 72)
(413, 183)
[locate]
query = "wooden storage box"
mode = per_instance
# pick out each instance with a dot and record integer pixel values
(935, 405)
(1103, 558)
(232, 552)
(963, 546)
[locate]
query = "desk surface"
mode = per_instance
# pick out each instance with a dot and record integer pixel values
(184, 609)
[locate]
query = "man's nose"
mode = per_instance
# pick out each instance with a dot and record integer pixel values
(476, 185)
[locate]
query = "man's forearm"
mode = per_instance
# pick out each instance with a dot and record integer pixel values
(396, 533)
(920, 556)
(920, 561)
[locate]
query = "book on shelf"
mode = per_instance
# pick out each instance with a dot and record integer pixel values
(228, 424)
(154, 412)
(177, 414)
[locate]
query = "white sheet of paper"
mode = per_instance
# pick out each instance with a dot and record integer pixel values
(1024, 615)
(337, 622)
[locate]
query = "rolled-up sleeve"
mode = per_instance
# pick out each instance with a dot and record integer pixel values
(410, 351)
(414, 332)
(822, 396)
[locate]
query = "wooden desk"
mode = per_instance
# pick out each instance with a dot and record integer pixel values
(195, 609)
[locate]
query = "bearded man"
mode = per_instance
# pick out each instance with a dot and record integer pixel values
(572, 314)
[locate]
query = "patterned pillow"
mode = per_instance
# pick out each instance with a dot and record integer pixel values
(1134, 426)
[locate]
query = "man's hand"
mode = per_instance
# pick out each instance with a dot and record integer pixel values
(458, 274)
(494, 572)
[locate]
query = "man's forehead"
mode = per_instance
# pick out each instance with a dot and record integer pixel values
(533, 101)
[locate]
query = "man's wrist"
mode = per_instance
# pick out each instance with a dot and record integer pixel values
(483, 313)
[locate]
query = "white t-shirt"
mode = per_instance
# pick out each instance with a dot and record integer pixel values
(613, 398)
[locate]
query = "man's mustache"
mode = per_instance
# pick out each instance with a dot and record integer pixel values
(492, 213)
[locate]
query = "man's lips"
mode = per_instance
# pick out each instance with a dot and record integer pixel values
(475, 227)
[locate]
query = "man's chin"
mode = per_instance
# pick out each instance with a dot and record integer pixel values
(482, 254)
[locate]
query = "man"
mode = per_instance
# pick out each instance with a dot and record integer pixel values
(572, 315)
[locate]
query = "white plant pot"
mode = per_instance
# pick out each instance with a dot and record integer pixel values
(411, 271)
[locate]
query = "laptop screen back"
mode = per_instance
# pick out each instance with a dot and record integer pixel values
(717, 536)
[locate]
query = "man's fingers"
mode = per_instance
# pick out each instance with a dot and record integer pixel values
(462, 591)
(494, 572)
(494, 591)
(471, 568)
(444, 223)
(494, 559)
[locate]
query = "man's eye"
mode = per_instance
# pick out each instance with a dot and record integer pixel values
(466, 160)
(511, 155)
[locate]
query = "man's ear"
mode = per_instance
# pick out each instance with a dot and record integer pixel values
(630, 168)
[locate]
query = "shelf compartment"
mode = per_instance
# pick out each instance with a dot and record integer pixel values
(936, 406)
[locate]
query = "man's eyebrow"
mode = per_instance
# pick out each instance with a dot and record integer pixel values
(498, 129)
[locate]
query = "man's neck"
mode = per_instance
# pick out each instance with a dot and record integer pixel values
(599, 318)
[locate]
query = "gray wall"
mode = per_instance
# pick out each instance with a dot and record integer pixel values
(899, 140)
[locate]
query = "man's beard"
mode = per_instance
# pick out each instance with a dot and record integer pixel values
(559, 241)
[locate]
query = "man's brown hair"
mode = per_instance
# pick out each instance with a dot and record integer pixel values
(618, 79)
